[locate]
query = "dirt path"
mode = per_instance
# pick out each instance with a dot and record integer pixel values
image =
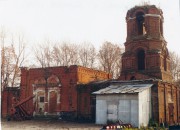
(46, 125)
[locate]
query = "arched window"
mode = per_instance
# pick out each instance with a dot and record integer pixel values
(141, 59)
(140, 23)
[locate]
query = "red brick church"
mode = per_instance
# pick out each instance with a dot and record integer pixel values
(55, 90)
(146, 56)
(145, 61)
(145, 64)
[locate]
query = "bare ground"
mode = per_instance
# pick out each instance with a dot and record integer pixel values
(46, 125)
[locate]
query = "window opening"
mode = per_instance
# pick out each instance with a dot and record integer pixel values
(140, 23)
(161, 27)
(141, 60)
(165, 64)
(41, 99)
(85, 102)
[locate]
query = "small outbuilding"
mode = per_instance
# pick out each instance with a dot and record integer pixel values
(128, 102)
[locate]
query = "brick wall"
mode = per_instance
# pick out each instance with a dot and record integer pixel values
(150, 40)
(69, 78)
(165, 102)
(7, 96)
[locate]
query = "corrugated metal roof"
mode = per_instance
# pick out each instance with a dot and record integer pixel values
(123, 88)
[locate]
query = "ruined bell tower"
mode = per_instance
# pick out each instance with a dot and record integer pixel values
(146, 54)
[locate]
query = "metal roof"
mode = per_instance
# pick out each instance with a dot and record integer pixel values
(123, 88)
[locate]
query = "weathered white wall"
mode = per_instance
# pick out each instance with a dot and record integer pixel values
(117, 106)
(144, 107)
(101, 112)
(134, 112)
(124, 112)
(112, 110)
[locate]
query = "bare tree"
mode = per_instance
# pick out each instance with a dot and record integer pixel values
(110, 58)
(57, 56)
(73, 54)
(43, 54)
(3, 75)
(64, 50)
(6, 65)
(12, 57)
(87, 55)
(175, 65)
(19, 58)
(65, 54)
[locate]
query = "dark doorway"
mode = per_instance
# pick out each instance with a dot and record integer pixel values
(141, 59)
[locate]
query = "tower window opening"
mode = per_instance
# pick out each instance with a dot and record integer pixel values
(165, 64)
(140, 23)
(161, 27)
(141, 60)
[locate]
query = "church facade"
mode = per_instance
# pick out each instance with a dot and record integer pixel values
(55, 88)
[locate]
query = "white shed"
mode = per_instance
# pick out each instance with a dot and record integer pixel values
(126, 102)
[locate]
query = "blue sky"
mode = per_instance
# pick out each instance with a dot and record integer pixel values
(93, 21)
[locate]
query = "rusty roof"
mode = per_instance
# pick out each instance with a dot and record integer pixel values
(124, 88)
